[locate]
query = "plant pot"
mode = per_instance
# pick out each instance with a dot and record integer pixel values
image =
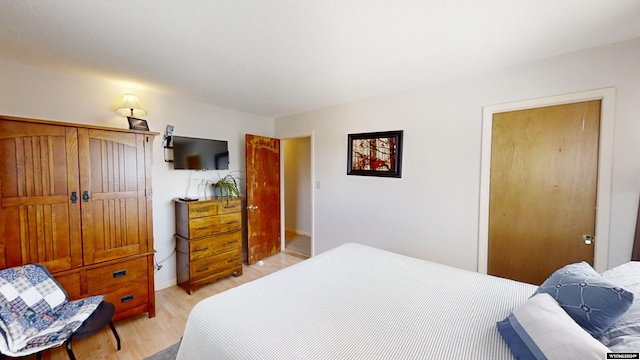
(218, 192)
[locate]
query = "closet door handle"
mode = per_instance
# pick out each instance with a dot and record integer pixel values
(74, 197)
(85, 196)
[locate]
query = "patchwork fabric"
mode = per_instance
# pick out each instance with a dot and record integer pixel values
(592, 301)
(34, 311)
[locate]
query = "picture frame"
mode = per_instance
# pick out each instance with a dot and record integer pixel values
(137, 124)
(375, 154)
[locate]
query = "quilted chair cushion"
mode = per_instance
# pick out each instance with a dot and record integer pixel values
(34, 311)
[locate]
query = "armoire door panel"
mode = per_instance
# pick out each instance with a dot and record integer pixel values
(45, 239)
(113, 221)
(112, 172)
(116, 253)
(35, 195)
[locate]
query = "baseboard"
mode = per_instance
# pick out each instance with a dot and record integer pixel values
(166, 284)
(299, 232)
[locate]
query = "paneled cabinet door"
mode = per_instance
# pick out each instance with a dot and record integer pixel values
(40, 197)
(112, 178)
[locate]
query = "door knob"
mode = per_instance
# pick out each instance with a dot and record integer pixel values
(588, 239)
(252, 207)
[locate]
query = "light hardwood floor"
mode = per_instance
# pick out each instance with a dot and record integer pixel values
(142, 337)
(290, 238)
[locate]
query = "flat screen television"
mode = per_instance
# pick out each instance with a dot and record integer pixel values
(200, 154)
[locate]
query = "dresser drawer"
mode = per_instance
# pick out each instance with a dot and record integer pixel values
(204, 267)
(206, 247)
(198, 210)
(207, 226)
(129, 295)
(229, 207)
(112, 275)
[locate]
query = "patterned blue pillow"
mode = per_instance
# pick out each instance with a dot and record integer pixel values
(592, 301)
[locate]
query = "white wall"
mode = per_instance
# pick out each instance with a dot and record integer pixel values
(32, 92)
(432, 211)
(297, 180)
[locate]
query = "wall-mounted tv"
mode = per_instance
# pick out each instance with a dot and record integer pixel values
(200, 154)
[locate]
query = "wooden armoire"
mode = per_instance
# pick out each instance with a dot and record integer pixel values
(77, 199)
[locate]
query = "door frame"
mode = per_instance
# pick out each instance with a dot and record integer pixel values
(607, 96)
(311, 188)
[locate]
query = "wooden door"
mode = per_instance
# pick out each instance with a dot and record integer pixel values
(38, 175)
(542, 198)
(263, 197)
(113, 181)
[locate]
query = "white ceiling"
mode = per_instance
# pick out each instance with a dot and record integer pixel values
(280, 57)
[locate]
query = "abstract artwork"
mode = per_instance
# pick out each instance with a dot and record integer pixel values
(375, 154)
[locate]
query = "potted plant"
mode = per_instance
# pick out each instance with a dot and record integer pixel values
(227, 186)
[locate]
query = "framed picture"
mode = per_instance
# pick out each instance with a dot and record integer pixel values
(138, 124)
(375, 154)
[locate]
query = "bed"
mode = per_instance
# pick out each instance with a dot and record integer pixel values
(357, 302)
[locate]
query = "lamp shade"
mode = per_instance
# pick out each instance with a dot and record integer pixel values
(131, 107)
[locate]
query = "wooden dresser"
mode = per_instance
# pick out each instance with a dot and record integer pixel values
(208, 241)
(77, 199)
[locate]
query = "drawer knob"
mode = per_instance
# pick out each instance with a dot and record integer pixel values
(126, 299)
(203, 210)
(232, 222)
(119, 273)
(232, 260)
(232, 242)
(202, 227)
(202, 269)
(202, 249)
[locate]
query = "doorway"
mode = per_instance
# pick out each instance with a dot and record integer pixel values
(605, 162)
(297, 196)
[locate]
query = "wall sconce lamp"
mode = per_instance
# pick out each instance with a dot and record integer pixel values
(131, 107)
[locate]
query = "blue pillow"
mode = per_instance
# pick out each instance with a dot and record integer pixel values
(592, 301)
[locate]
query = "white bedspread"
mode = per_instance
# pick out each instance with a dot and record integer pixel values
(356, 302)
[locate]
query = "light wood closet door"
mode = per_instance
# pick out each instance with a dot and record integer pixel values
(112, 177)
(39, 221)
(544, 166)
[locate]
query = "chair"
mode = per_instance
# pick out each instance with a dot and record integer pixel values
(35, 314)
